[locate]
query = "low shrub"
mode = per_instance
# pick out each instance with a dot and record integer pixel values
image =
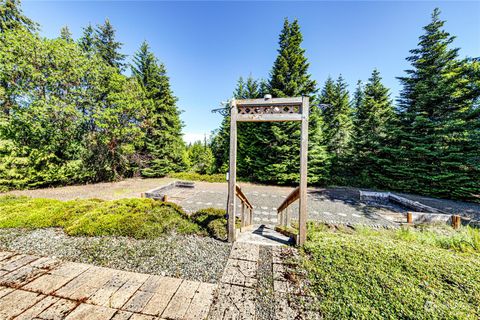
(213, 221)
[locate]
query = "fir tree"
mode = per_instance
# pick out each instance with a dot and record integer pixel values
(248, 134)
(358, 96)
(65, 34)
(164, 145)
(290, 78)
(87, 41)
(107, 46)
(431, 152)
(373, 114)
(337, 124)
(11, 17)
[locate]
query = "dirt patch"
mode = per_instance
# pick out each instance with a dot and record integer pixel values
(129, 188)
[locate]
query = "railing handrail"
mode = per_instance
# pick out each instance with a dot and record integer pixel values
(291, 198)
(242, 196)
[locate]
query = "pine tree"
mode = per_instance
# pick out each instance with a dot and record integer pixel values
(337, 125)
(11, 17)
(373, 114)
(163, 128)
(107, 47)
(65, 34)
(431, 152)
(290, 78)
(87, 41)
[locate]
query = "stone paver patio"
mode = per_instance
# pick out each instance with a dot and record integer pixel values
(33, 287)
(335, 206)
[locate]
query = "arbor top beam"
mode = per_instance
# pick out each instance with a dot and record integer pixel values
(297, 101)
(269, 117)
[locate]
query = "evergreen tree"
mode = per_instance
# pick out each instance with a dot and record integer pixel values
(290, 78)
(358, 96)
(433, 145)
(164, 145)
(200, 157)
(11, 17)
(248, 134)
(373, 114)
(87, 41)
(337, 125)
(65, 34)
(107, 46)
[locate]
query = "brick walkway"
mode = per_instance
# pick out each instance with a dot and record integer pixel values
(33, 287)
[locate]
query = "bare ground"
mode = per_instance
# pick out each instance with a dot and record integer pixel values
(128, 188)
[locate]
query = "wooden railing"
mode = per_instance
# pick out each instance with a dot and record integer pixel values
(246, 218)
(283, 215)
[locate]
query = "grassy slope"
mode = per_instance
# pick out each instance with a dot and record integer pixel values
(138, 218)
(394, 274)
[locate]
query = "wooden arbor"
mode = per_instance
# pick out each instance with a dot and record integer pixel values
(269, 110)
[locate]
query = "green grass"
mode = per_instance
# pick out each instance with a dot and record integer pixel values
(192, 176)
(393, 274)
(138, 218)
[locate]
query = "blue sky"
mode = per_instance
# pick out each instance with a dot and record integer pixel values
(206, 46)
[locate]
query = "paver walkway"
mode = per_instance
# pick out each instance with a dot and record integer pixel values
(254, 283)
(33, 287)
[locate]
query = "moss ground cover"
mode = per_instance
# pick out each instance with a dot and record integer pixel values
(138, 218)
(393, 274)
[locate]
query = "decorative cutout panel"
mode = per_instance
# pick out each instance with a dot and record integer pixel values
(269, 110)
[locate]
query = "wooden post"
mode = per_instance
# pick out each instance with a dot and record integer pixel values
(243, 222)
(250, 220)
(456, 221)
(232, 179)
(287, 218)
(165, 198)
(302, 207)
(409, 217)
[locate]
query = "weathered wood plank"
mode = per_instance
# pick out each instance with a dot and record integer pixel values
(180, 302)
(122, 315)
(86, 284)
(16, 262)
(118, 299)
(232, 179)
(58, 310)
(201, 302)
(91, 312)
(281, 117)
(302, 207)
(269, 102)
(38, 308)
(138, 301)
(16, 302)
(103, 295)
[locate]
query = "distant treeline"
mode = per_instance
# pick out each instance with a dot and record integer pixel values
(427, 143)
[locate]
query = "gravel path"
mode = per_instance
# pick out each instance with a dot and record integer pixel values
(188, 257)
